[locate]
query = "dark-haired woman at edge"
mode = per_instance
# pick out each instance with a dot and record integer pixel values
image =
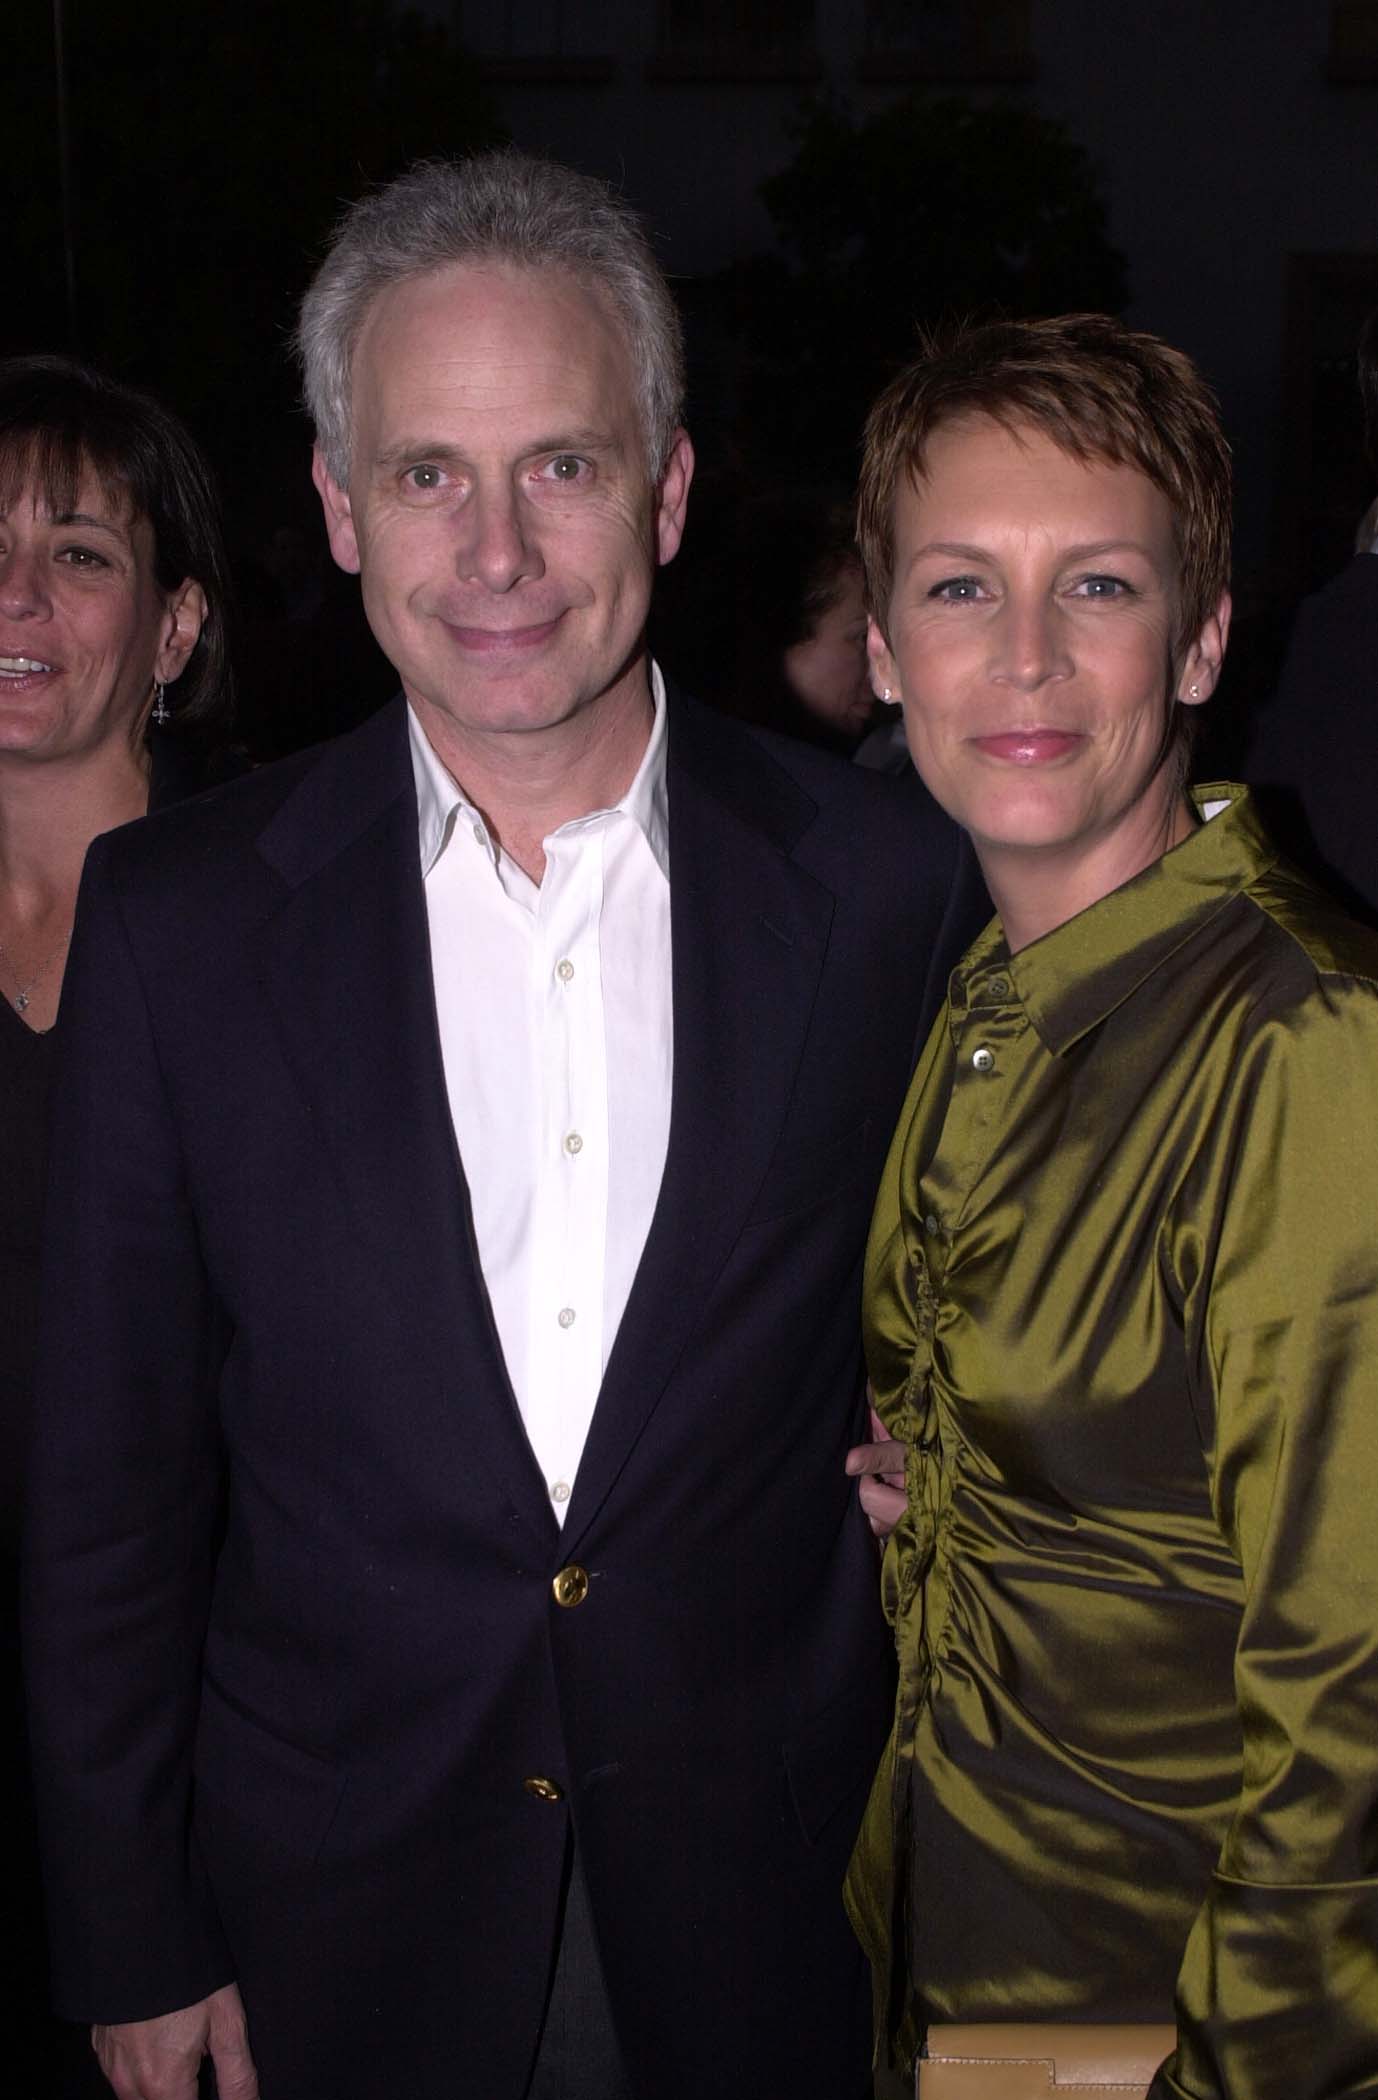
(114, 683)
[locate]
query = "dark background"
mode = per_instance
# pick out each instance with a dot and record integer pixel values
(820, 177)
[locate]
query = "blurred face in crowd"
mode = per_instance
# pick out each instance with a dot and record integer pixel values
(1031, 639)
(827, 671)
(499, 508)
(85, 628)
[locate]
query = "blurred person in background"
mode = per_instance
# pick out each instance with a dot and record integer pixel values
(798, 640)
(1314, 753)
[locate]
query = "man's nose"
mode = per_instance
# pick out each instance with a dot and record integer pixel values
(498, 544)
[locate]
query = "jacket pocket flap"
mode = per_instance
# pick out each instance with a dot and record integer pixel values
(261, 1777)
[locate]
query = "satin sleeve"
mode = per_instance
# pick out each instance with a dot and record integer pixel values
(1275, 1249)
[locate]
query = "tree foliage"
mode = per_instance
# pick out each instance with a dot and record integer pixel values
(929, 209)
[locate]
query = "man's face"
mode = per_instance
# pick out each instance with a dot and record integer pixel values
(499, 511)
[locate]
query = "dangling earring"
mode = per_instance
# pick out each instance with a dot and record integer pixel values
(162, 713)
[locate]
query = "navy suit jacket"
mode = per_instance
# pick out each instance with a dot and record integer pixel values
(296, 1650)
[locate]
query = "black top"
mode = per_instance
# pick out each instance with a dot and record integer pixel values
(26, 1063)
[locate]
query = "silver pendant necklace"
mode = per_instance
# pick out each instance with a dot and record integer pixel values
(21, 996)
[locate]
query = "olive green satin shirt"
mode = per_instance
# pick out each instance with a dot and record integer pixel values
(1122, 1307)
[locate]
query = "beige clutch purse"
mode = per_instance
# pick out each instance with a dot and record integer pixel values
(1023, 2062)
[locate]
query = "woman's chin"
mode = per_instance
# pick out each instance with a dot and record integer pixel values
(1027, 818)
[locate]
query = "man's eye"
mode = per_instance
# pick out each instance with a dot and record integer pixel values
(425, 477)
(566, 466)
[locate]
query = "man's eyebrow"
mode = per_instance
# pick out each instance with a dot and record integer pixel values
(417, 451)
(413, 450)
(587, 438)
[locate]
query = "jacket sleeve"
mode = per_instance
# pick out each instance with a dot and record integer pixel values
(122, 1505)
(1278, 1990)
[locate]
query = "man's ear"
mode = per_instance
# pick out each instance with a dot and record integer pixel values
(672, 497)
(885, 678)
(339, 516)
(1200, 672)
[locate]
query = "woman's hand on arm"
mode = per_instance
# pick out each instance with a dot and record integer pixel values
(879, 1469)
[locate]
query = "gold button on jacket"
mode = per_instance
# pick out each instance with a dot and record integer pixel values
(571, 1585)
(544, 1789)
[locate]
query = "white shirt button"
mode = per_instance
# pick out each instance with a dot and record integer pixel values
(983, 1060)
(564, 970)
(565, 1316)
(559, 1491)
(480, 835)
(574, 1143)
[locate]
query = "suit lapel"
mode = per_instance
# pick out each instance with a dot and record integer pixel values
(347, 971)
(749, 930)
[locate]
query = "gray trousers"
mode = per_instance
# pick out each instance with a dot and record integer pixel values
(577, 2057)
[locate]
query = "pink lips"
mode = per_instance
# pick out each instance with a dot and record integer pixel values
(1028, 747)
(499, 641)
(26, 681)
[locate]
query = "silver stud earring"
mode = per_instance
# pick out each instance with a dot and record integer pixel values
(1195, 691)
(887, 694)
(162, 713)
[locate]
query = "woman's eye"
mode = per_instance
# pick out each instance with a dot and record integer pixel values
(1103, 587)
(82, 558)
(957, 590)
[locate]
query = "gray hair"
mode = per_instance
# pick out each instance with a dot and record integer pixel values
(502, 206)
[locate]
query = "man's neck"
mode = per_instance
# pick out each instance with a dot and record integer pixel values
(527, 783)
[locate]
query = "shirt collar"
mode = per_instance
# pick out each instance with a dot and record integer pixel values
(440, 801)
(1071, 979)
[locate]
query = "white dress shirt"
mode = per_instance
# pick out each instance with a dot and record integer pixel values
(555, 1025)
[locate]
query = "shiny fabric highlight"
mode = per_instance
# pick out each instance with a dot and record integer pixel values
(1122, 1307)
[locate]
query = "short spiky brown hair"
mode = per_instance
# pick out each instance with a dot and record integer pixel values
(1097, 389)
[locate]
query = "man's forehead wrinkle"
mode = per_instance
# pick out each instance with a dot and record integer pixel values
(487, 375)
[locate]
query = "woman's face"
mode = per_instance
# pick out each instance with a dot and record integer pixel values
(85, 628)
(1031, 640)
(826, 672)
